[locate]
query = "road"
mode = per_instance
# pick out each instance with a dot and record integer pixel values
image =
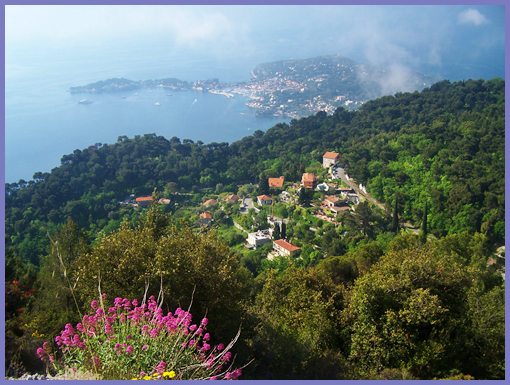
(339, 173)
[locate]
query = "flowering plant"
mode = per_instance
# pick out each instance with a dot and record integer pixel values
(138, 341)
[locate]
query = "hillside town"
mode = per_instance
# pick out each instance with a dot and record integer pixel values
(272, 218)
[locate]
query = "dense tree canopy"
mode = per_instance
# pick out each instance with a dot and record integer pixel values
(363, 300)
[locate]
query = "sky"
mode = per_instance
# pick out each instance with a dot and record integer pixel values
(448, 41)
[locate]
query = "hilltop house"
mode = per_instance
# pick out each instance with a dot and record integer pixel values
(144, 201)
(210, 202)
(258, 238)
(276, 182)
(322, 187)
(264, 200)
(205, 218)
(233, 198)
(330, 159)
(283, 248)
(332, 201)
(309, 180)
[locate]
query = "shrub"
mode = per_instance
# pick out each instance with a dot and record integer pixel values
(132, 341)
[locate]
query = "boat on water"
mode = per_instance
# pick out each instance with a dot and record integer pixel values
(157, 104)
(85, 101)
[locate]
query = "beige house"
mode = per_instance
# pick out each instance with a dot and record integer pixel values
(284, 248)
(330, 159)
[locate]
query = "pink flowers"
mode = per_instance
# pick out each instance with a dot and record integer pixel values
(134, 338)
(160, 368)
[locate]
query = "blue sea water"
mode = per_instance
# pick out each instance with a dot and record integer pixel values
(44, 121)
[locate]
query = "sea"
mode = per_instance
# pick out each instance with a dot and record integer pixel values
(44, 121)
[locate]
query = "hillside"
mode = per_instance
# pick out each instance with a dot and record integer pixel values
(354, 291)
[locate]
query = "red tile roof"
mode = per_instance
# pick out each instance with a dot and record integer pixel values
(309, 177)
(232, 198)
(206, 215)
(210, 202)
(332, 199)
(144, 199)
(286, 245)
(264, 197)
(331, 155)
(276, 182)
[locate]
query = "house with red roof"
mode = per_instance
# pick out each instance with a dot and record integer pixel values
(210, 202)
(144, 201)
(205, 218)
(309, 180)
(276, 182)
(264, 200)
(284, 248)
(330, 159)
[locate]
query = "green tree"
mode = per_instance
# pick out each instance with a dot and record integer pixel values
(263, 184)
(412, 312)
(395, 226)
(424, 229)
(296, 332)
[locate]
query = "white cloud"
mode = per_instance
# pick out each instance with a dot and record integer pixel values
(186, 25)
(472, 16)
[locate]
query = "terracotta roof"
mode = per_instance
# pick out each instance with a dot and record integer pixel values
(286, 245)
(276, 182)
(210, 202)
(144, 199)
(341, 208)
(264, 197)
(332, 199)
(206, 215)
(232, 198)
(331, 155)
(309, 177)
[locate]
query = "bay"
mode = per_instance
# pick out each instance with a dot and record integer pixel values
(44, 121)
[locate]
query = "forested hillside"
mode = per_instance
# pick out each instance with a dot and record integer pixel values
(443, 146)
(375, 302)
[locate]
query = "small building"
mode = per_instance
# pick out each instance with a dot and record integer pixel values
(164, 201)
(210, 202)
(144, 201)
(284, 248)
(264, 200)
(353, 197)
(258, 238)
(285, 196)
(332, 201)
(309, 180)
(323, 187)
(330, 159)
(339, 209)
(233, 198)
(344, 191)
(205, 218)
(276, 182)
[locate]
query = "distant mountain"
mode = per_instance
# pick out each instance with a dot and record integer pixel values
(292, 88)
